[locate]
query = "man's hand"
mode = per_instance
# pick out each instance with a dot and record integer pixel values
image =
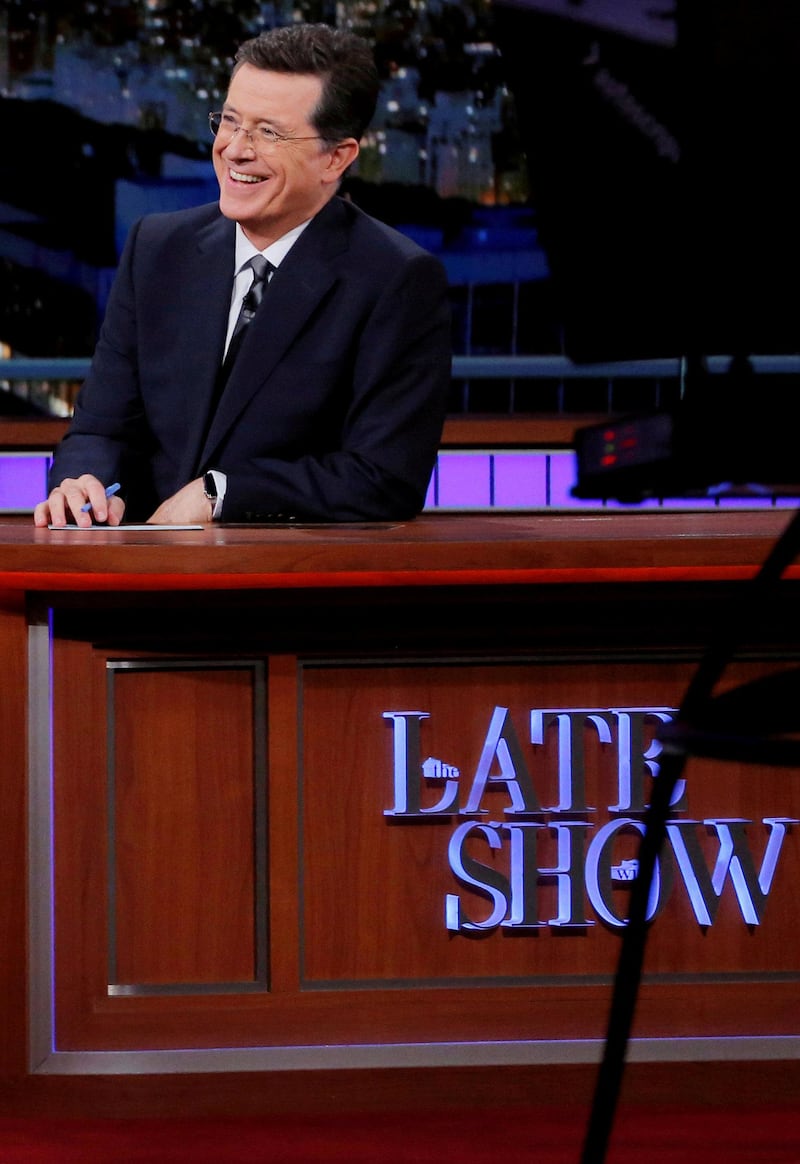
(67, 500)
(187, 506)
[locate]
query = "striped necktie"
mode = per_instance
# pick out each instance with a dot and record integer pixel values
(262, 269)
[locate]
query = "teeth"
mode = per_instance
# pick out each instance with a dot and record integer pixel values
(237, 177)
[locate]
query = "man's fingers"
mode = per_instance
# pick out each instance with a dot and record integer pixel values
(116, 510)
(82, 500)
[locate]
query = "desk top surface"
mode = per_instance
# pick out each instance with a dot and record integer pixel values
(434, 549)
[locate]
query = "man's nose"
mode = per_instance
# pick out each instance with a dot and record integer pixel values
(242, 139)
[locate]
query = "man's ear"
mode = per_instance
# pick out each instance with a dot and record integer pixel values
(342, 155)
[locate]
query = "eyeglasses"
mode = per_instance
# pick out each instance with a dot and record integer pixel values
(262, 137)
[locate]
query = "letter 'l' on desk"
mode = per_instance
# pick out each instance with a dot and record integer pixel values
(112, 489)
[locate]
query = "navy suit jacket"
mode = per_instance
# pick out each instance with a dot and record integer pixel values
(334, 408)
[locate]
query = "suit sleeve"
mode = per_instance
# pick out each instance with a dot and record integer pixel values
(391, 426)
(108, 434)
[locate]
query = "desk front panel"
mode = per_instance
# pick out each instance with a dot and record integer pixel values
(371, 840)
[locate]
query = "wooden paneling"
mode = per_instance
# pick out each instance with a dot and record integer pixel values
(159, 829)
(183, 827)
(284, 835)
(13, 863)
(31, 433)
(206, 831)
(80, 836)
(497, 432)
(355, 901)
(459, 431)
(375, 886)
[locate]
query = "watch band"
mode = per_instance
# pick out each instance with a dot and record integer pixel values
(214, 490)
(210, 487)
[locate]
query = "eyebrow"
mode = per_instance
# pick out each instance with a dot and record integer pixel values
(276, 125)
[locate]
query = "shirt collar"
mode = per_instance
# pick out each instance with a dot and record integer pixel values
(274, 253)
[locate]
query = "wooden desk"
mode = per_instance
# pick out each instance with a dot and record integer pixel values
(355, 807)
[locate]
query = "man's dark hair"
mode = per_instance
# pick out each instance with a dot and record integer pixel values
(343, 61)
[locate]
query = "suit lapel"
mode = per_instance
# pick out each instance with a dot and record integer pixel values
(303, 279)
(209, 272)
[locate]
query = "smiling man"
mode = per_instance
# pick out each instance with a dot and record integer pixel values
(279, 355)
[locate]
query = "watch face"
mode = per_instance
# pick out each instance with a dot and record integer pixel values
(210, 487)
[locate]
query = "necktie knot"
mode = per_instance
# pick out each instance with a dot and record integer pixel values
(261, 269)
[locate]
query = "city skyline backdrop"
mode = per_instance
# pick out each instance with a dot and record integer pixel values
(445, 118)
(121, 93)
(582, 184)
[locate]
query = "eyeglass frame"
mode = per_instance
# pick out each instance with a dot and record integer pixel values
(268, 137)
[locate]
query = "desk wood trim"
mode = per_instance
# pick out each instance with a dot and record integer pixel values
(433, 550)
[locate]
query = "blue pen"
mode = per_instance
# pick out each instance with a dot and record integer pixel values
(112, 489)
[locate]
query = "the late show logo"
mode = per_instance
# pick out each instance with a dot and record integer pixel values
(585, 876)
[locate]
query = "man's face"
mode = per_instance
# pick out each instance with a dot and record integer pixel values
(271, 188)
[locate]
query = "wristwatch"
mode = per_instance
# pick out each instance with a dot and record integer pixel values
(210, 491)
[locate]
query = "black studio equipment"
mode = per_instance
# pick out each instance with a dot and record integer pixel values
(659, 140)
